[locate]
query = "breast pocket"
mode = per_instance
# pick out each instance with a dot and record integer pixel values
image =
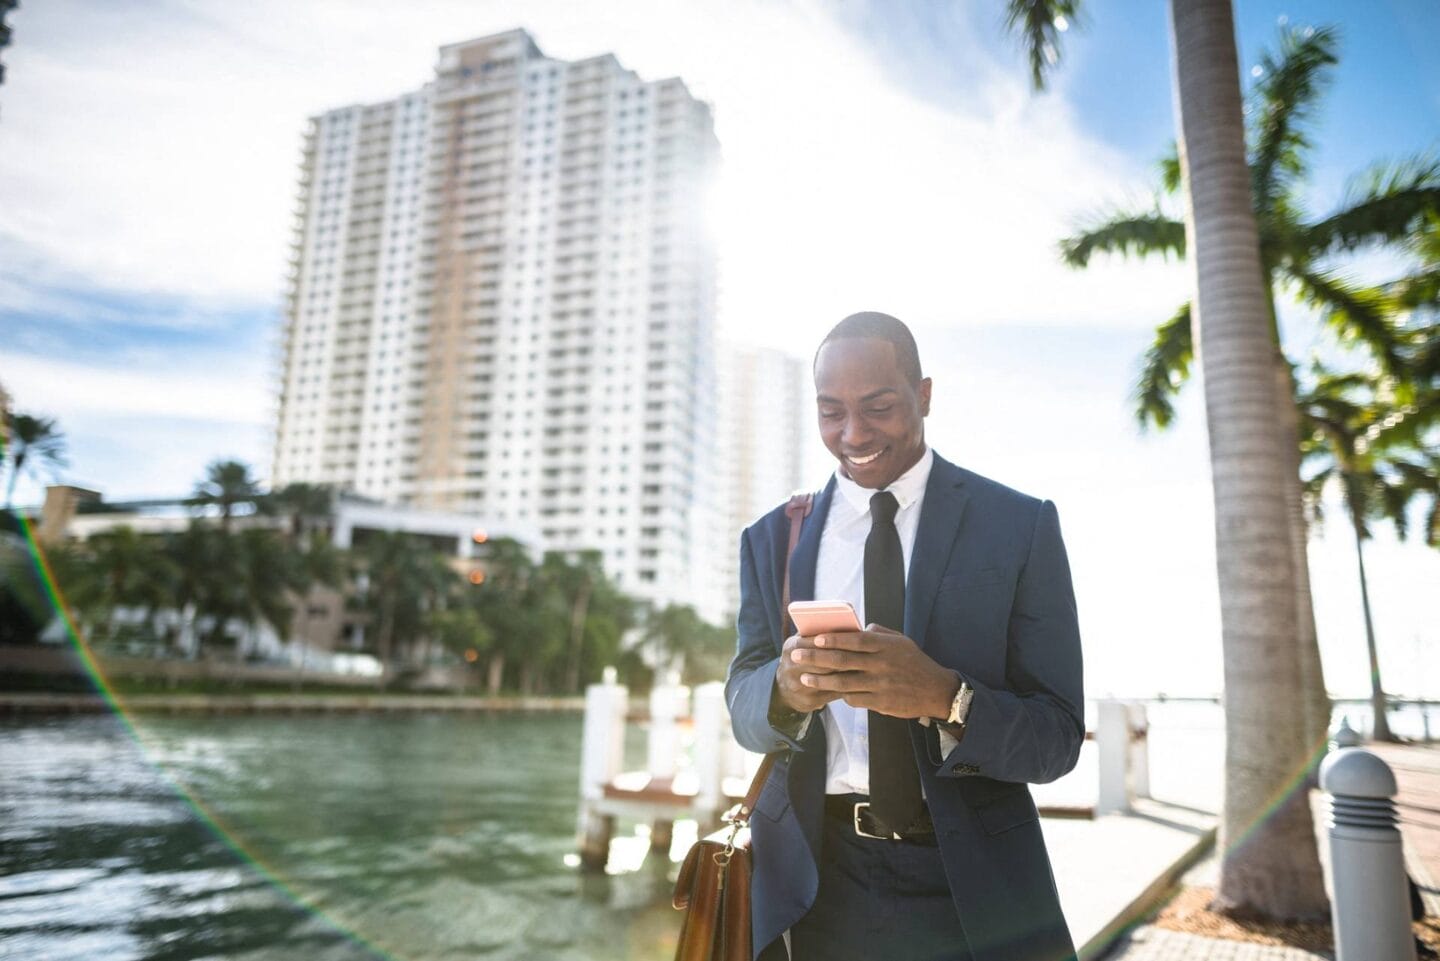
(977, 602)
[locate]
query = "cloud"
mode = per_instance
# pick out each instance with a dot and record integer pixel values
(175, 171)
(215, 390)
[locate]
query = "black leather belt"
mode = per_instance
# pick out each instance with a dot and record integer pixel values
(854, 810)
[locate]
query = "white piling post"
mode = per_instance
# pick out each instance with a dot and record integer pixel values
(602, 751)
(1371, 907)
(667, 703)
(711, 724)
(1139, 749)
(1112, 738)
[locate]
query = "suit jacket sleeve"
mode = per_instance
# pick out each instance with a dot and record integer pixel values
(1032, 729)
(752, 672)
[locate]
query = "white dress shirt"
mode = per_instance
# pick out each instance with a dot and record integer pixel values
(840, 576)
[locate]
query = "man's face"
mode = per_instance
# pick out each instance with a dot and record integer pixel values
(872, 418)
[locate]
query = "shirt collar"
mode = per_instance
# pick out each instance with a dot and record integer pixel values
(908, 488)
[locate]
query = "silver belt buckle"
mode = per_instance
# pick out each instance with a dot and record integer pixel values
(866, 834)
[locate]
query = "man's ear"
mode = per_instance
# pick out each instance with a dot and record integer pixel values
(924, 393)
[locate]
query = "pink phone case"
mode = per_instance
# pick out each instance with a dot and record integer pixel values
(823, 617)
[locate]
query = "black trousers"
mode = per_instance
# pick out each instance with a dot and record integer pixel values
(878, 900)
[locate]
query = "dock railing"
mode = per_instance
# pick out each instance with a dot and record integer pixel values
(696, 770)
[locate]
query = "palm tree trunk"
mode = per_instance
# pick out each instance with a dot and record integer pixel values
(1316, 701)
(14, 476)
(577, 636)
(1381, 730)
(1270, 865)
(496, 675)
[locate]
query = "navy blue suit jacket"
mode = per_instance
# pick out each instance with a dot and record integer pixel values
(989, 595)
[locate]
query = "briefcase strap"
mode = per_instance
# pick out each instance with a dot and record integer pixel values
(797, 510)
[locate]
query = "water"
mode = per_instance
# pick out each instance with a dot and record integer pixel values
(416, 837)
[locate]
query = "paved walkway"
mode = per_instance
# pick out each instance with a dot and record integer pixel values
(1417, 771)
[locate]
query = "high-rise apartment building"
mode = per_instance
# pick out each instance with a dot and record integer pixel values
(766, 403)
(502, 303)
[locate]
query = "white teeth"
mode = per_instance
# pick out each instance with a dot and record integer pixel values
(865, 460)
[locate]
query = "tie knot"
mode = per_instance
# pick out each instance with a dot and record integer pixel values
(883, 506)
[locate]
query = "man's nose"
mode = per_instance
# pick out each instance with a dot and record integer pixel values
(855, 433)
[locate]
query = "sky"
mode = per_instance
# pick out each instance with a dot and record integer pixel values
(876, 155)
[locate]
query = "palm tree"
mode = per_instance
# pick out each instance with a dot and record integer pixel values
(1389, 209)
(226, 484)
(400, 580)
(1276, 872)
(122, 568)
(31, 440)
(305, 505)
(678, 633)
(1359, 440)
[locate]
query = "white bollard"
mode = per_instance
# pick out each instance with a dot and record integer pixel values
(1112, 740)
(1139, 750)
(1371, 907)
(712, 721)
(602, 752)
(667, 703)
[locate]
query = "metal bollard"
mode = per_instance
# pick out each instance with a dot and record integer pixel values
(1371, 907)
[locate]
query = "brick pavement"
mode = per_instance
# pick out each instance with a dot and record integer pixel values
(1417, 774)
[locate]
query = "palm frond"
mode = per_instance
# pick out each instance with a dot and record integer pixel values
(1138, 235)
(1038, 25)
(1164, 370)
(1172, 176)
(1283, 100)
(1358, 315)
(1314, 494)
(1388, 204)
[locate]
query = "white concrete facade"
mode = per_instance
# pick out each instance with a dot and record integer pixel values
(766, 406)
(502, 305)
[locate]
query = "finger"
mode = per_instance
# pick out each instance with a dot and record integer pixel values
(847, 641)
(843, 682)
(882, 629)
(829, 660)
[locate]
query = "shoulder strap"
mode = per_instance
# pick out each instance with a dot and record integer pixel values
(797, 510)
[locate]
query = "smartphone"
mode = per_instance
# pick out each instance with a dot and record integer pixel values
(823, 617)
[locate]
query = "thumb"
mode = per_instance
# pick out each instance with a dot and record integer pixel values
(882, 629)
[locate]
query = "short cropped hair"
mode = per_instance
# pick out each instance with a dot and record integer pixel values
(875, 325)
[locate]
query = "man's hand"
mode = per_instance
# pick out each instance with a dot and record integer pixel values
(876, 669)
(796, 695)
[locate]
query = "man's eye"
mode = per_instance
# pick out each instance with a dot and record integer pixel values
(829, 414)
(877, 411)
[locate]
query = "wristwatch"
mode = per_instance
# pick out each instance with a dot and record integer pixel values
(960, 705)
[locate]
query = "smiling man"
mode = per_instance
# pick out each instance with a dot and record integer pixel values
(896, 822)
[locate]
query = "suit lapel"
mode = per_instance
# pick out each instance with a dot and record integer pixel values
(807, 551)
(945, 499)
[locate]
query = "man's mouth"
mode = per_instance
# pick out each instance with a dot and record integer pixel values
(868, 458)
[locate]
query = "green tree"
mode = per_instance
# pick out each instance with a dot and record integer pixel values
(1357, 438)
(31, 441)
(678, 634)
(118, 568)
(399, 582)
(223, 579)
(306, 507)
(505, 601)
(227, 484)
(1276, 872)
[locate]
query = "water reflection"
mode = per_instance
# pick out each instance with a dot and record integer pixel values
(430, 837)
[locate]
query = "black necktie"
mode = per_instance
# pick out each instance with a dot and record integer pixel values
(894, 779)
